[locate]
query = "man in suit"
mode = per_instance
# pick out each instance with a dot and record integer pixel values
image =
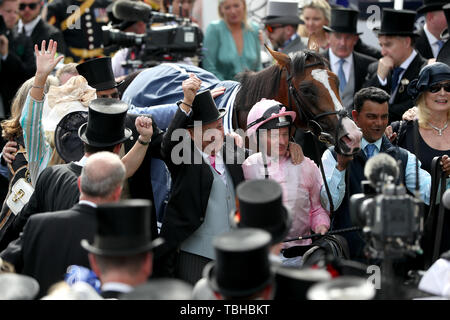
(33, 26)
(50, 242)
(281, 24)
(429, 41)
(348, 65)
(400, 63)
(205, 170)
(121, 251)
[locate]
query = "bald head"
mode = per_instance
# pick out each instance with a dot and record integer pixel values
(102, 174)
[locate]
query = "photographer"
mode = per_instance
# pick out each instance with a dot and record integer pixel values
(371, 115)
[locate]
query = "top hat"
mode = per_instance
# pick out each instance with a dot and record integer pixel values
(204, 109)
(397, 23)
(160, 289)
(106, 123)
(17, 287)
(98, 73)
(343, 20)
(123, 229)
(260, 207)
(293, 283)
(242, 266)
(431, 5)
(282, 12)
(67, 142)
(342, 288)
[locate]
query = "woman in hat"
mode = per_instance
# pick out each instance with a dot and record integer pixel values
(315, 15)
(268, 125)
(231, 44)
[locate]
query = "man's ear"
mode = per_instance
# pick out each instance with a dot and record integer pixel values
(79, 183)
(355, 115)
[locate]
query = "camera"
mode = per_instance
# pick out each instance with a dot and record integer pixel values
(389, 216)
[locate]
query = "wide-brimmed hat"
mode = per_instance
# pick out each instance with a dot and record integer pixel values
(17, 287)
(67, 141)
(242, 266)
(204, 110)
(343, 20)
(397, 23)
(160, 289)
(268, 114)
(260, 206)
(431, 5)
(106, 123)
(428, 76)
(282, 12)
(98, 73)
(123, 229)
(293, 283)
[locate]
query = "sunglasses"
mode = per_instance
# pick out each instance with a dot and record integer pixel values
(271, 29)
(437, 87)
(32, 6)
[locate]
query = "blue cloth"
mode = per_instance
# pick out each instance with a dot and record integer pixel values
(395, 78)
(341, 76)
(220, 53)
(370, 148)
(77, 273)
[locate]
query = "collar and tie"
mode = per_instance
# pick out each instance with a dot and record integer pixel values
(341, 76)
(395, 78)
(370, 149)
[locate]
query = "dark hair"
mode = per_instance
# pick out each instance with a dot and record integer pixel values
(371, 93)
(92, 149)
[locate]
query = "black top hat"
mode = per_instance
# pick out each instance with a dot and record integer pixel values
(106, 123)
(260, 206)
(17, 287)
(293, 283)
(431, 5)
(204, 109)
(282, 12)
(160, 289)
(67, 142)
(98, 73)
(343, 20)
(123, 229)
(397, 23)
(242, 266)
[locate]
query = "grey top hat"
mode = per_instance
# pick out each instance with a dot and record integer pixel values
(282, 12)
(160, 289)
(17, 287)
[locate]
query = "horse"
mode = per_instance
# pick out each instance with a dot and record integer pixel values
(302, 82)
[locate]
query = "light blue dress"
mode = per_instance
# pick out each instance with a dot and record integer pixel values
(220, 53)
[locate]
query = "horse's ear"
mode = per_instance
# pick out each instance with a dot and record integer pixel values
(282, 59)
(313, 43)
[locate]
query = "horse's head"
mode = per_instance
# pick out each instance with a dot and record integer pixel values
(312, 91)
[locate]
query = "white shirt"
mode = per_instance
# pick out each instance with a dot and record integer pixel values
(347, 66)
(432, 40)
(29, 27)
(404, 65)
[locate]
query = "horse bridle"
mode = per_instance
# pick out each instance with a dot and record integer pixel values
(305, 114)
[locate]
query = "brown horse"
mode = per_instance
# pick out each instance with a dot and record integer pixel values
(305, 84)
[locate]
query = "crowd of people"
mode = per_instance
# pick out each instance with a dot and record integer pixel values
(137, 183)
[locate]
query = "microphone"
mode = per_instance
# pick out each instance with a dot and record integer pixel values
(380, 167)
(446, 199)
(138, 11)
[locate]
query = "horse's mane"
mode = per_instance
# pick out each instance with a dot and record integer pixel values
(265, 83)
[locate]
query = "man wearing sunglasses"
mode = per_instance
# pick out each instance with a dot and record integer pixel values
(281, 25)
(32, 25)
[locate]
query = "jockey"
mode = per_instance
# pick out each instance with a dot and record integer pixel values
(268, 126)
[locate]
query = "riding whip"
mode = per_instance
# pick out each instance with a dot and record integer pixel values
(326, 234)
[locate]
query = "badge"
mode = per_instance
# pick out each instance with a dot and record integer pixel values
(404, 83)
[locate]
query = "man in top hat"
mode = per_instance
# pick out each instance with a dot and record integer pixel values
(350, 66)
(121, 251)
(242, 269)
(281, 24)
(429, 41)
(50, 242)
(400, 63)
(444, 54)
(205, 170)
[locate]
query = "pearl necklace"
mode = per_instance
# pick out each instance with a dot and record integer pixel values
(439, 130)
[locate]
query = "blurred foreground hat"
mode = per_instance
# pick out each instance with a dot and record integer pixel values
(17, 287)
(67, 142)
(160, 289)
(342, 288)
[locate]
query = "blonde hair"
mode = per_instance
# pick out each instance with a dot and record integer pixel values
(244, 3)
(321, 5)
(11, 127)
(424, 113)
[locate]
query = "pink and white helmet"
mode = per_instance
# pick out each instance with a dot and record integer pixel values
(262, 114)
